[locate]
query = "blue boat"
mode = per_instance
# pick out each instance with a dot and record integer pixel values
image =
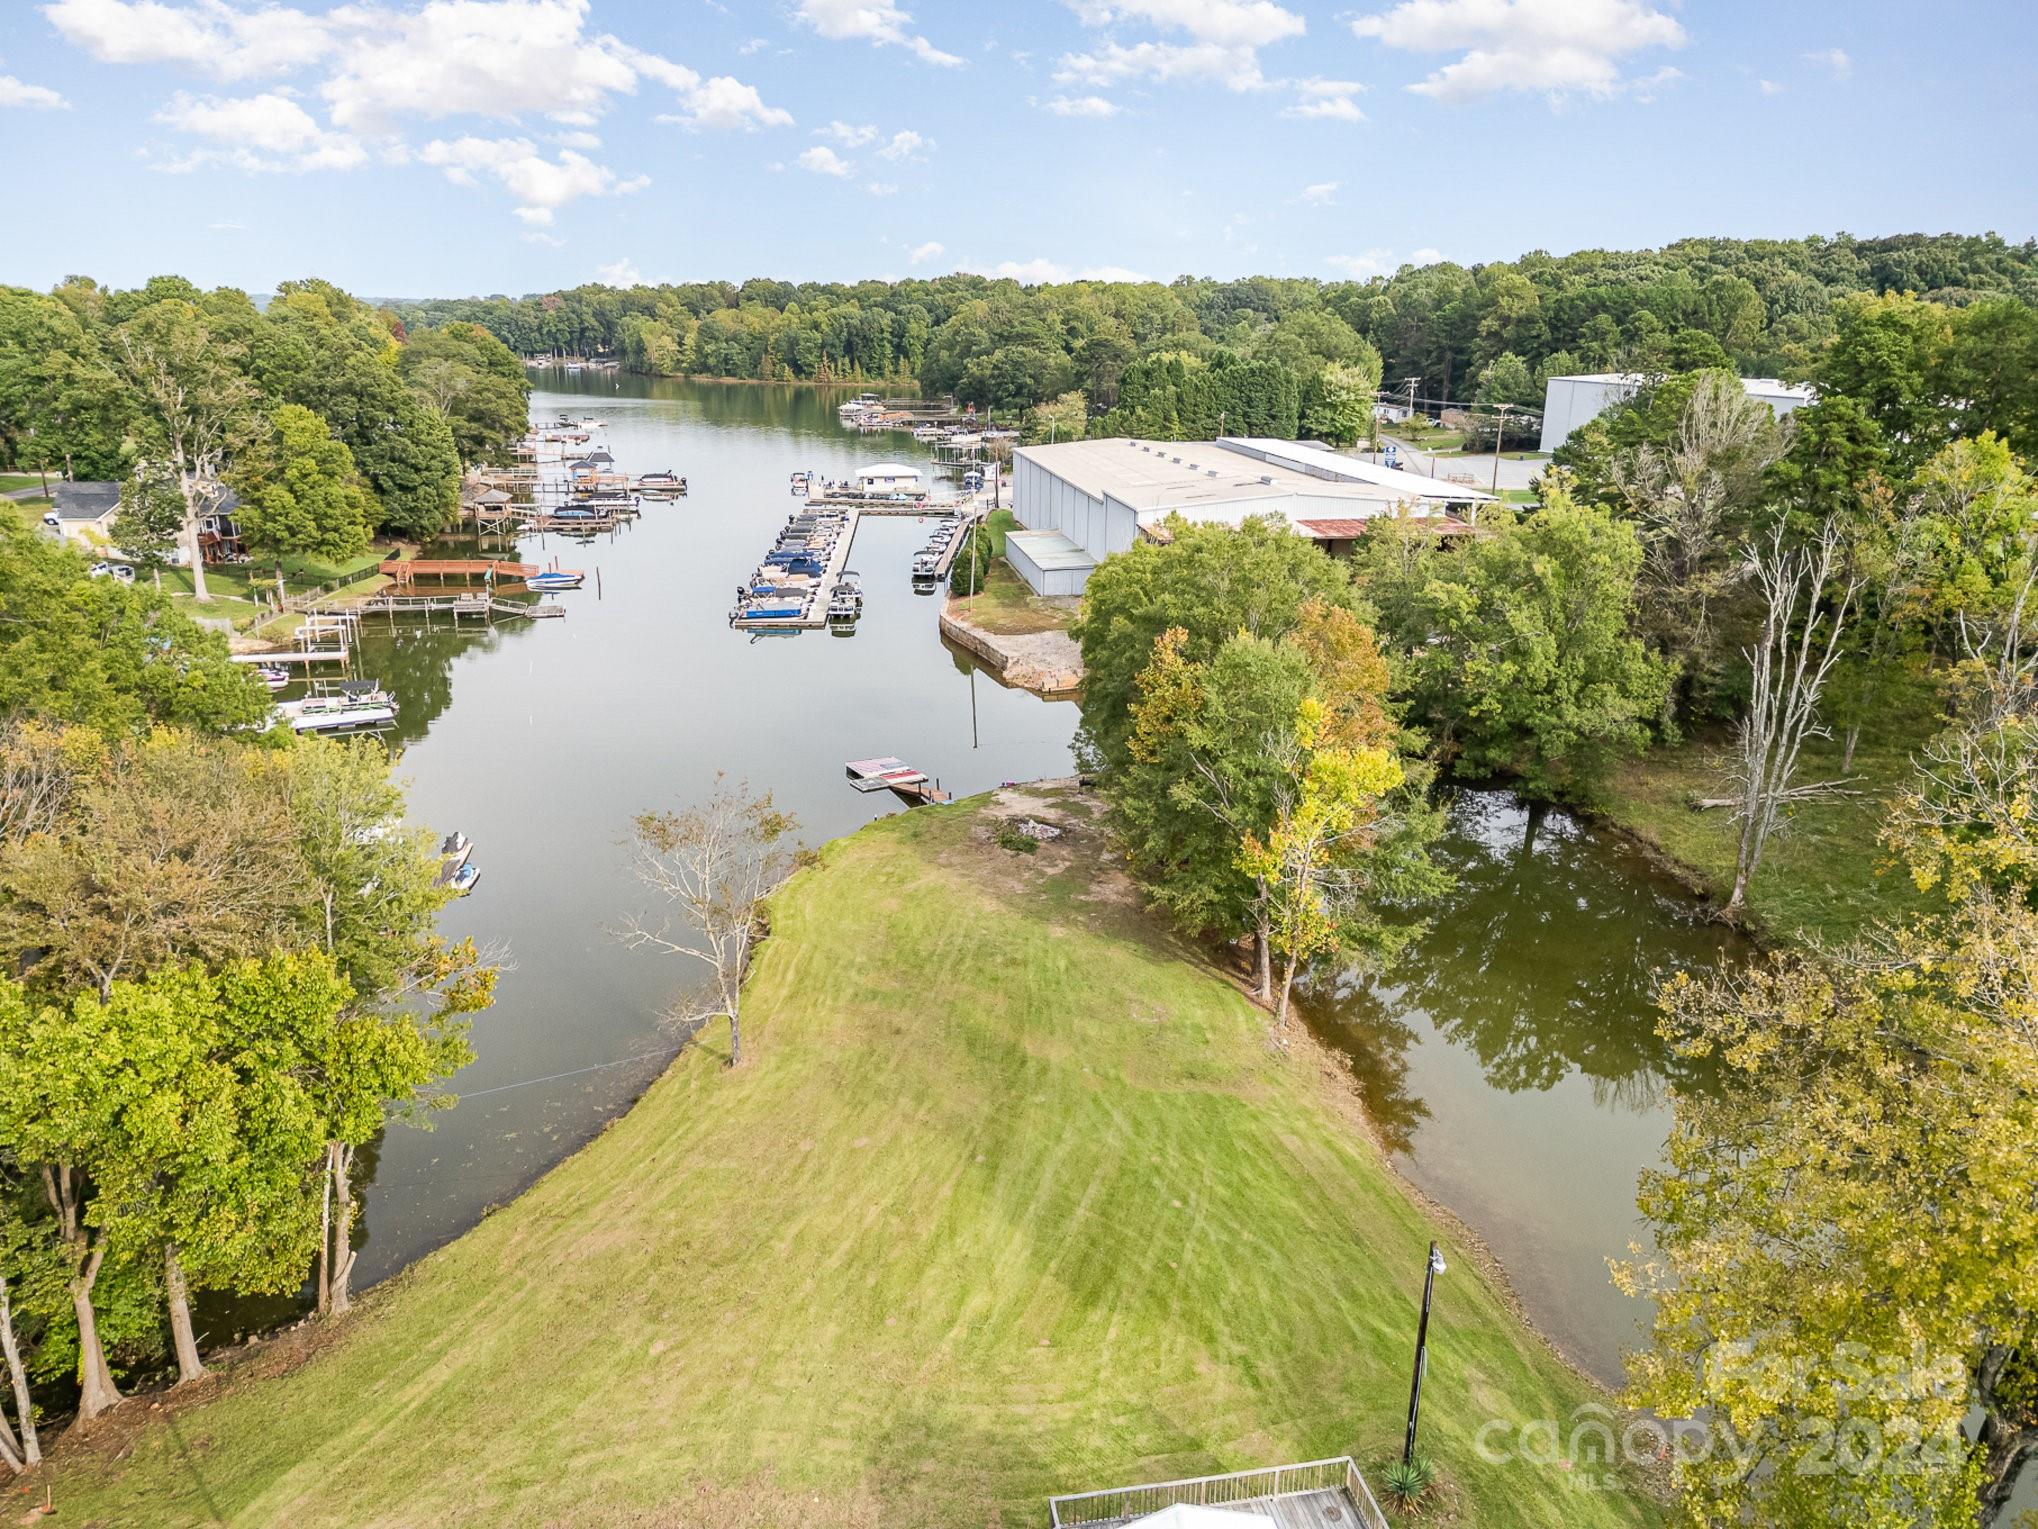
(463, 882)
(554, 578)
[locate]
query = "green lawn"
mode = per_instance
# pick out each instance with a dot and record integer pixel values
(1004, 604)
(11, 481)
(239, 591)
(1009, 1198)
(1823, 875)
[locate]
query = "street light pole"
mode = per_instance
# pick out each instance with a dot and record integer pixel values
(1499, 434)
(1431, 1270)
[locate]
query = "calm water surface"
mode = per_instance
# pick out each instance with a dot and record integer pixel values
(1510, 1062)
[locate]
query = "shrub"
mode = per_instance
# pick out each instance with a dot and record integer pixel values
(1406, 1480)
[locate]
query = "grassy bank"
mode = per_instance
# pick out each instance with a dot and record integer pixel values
(1009, 1198)
(1823, 875)
(1006, 606)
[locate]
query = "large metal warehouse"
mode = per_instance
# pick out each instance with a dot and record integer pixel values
(1081, 501)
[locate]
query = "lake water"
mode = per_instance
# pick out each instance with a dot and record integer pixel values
(1511, 1062)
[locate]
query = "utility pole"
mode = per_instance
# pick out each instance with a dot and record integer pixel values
(1499, 434)
(1431, 1270)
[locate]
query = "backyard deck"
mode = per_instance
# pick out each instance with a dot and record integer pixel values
(1319, 1494)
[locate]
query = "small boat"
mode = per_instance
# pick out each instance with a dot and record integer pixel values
(842, 609)
(273, 675)
(338, 713)
(453, 855)
(464, 879)
(661, 485)
(554, 578)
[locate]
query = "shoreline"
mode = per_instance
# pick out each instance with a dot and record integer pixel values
(1314, 1067)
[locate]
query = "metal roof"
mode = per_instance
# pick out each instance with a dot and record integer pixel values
(1253, 475)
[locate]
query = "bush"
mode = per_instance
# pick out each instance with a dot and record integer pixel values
(1011, 836)
(1405, 1481)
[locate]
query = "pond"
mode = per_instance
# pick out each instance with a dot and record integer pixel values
(1510, 1061)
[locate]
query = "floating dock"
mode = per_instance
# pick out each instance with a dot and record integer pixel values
(896, 776)
(817, 608)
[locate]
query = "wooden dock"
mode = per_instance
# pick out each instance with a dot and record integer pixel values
(911, 786)
(407, 570)
(817, 608)
(455, 603)
(962, 533)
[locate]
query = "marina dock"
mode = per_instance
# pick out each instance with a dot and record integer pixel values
(817, 607)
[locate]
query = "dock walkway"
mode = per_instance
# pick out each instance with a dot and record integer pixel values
(817, 608)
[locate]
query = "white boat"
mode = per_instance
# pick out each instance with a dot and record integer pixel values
(464, 879)
(337, 713)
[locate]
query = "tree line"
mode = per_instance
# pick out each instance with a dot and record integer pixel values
(219, 978)
(1486, 333)
(329, 418)
(1854, 1199)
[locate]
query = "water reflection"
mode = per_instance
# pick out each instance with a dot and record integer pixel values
(1512, 1062)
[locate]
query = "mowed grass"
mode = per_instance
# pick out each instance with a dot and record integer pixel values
(1009, 1198)
(1825, 874)
(1004, 604)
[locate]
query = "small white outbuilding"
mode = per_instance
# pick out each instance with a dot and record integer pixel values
(888, 478)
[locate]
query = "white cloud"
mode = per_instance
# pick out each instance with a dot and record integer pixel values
(1223, 41)
(1373, 262)
(878, 22)
(1833, 60)
(906, 145)
(1031, 272)
(379, 65)
(823, 160)
(1327, 100)
(535, 236)
(261, 133)
(752, 45)
(922, 253)
(1769, 87)
(539, 185)
(215, 38)
(15, 92)
(727, 105)
(619, 273)
(1425, 256)
(1322, 194)
(1081, 106)
(464, 57)
(881, 188)
(851, 135)
(1040, 270)
(1165, 62)
(228, 227)
(1558, 47)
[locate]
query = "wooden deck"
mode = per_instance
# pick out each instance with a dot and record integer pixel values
(1320, 1494)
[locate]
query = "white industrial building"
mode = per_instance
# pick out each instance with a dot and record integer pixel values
(1081, 501)
(1569, 402)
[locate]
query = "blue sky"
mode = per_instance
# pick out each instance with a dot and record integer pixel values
(443, 147)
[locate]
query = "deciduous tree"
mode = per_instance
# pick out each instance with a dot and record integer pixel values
(712, 867)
